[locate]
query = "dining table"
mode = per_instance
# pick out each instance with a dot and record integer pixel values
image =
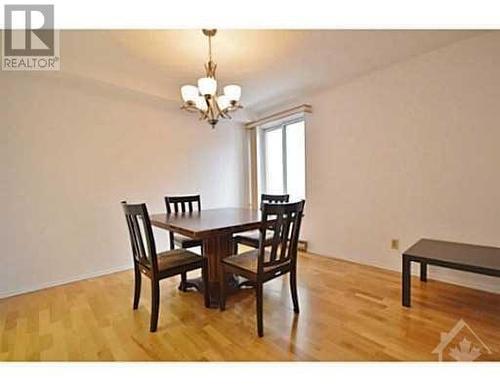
(215, 228)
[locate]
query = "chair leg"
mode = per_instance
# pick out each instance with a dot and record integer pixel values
(206, 290)
(293, 290)
(137, 287)
(260, 320)
(222, 288)
(155, 304)
(183, 285)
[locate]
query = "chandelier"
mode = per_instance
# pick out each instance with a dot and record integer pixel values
(204, 99)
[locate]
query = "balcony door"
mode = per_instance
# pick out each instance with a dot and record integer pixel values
(282, 159)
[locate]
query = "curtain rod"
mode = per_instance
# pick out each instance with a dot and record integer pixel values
(279, 115)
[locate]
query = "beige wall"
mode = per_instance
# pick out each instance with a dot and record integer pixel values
(407, 152)
(72, 149)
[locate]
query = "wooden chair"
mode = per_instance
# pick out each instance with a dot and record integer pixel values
(156, 266)
(261, 265)
(251, 238)
(183, 204)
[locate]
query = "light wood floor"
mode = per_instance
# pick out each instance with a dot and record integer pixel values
(348, 312)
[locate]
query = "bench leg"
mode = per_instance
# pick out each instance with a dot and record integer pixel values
(423, 271)
(406, 282)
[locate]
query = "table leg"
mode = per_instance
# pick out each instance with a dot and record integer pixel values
(423, 271)
(215, 249)
(406, 281)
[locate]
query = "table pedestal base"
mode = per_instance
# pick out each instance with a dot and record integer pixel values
(215, 249)
(233, 285)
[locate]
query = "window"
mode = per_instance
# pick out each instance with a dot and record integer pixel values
(282, 159)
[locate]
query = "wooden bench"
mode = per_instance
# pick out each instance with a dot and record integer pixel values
(458, 256)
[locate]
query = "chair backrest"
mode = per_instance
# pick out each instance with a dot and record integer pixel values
(284, 221)
(139, 227)
(182, 204)
(274, 198)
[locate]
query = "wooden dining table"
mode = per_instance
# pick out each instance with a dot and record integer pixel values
(215, 227)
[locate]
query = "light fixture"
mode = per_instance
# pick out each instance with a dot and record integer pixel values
(204, 99)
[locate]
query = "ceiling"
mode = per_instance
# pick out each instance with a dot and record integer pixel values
(272, 66)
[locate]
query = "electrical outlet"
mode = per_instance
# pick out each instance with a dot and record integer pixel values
(395, 244)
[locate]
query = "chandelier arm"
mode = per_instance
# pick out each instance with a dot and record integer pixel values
(220, 112)
(208, 111)
(223, 114)
(189, 108)
(235, 107)
(214, 109)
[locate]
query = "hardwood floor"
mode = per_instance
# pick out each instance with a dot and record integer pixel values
(348, 312)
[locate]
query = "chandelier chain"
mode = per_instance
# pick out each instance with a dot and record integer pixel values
(209, 48)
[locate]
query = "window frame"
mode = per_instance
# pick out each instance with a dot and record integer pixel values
(261, 150)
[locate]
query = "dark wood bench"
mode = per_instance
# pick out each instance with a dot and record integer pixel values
(458, 256)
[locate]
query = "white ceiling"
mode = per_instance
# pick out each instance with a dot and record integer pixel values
(270, 65)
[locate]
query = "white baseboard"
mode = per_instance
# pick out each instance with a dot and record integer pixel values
(456, 277)
(439, 276)
(49, 284)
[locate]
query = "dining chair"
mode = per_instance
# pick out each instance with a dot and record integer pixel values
(183, 204)
(156, 266)
(251, 238)
(269, 262)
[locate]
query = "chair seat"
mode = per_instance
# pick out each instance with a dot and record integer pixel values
(178, 258)
(248, 261)
(251, 238)
(186, 242)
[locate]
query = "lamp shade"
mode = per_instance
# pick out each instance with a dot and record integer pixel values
(207, 86)
(189, 93)
(233, 92)
(201, 103)
(223, 102)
